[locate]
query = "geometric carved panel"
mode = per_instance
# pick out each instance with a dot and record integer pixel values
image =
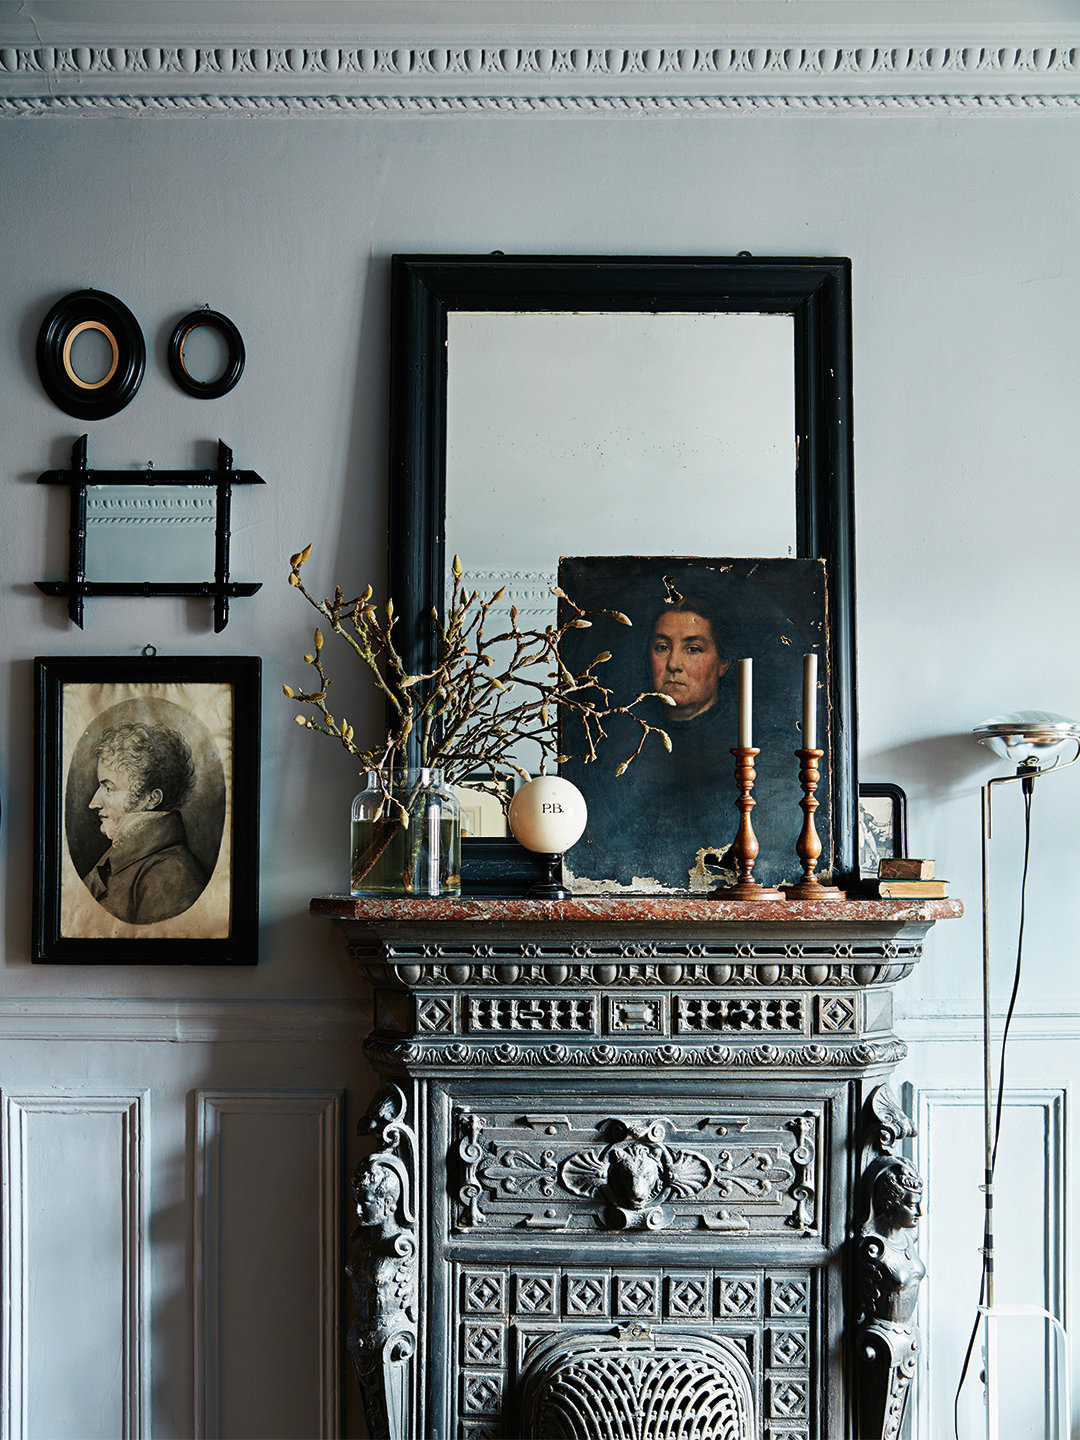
(481, 1394)
(789, 1348)
(484, 1345)
(739, 1296)
(688, 1296)
(587, 1294)
(532, 1310)
(435, 1015)
(637, 1296)
(536, 1293)
(484, 1292)
(788, 1399)
(788, 1296)
(836, 1013)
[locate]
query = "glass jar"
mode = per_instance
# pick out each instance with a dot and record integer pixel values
(420, 857)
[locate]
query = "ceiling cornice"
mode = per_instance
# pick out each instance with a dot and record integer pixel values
(984, 78)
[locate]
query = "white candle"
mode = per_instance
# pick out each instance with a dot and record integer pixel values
(809, 702)
(746, 704)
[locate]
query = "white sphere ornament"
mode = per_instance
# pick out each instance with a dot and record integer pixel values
(548, 815)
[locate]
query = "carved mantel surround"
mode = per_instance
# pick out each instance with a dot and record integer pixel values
(629, 1149)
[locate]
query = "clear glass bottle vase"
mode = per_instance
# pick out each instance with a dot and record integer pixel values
(422, 857)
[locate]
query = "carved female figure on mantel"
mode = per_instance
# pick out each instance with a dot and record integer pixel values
(890, 1266)
(382, 1338)
(890, 1272)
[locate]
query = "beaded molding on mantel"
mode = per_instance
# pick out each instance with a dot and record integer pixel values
(736, 71)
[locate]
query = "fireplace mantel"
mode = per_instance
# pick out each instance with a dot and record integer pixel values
(626, 1143)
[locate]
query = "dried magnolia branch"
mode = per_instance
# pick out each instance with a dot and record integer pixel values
(468, 713)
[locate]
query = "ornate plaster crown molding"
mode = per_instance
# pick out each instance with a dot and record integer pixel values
(142, 105)
(319, 78)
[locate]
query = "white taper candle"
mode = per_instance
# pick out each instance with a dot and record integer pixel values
(746, 704)
(809, 702)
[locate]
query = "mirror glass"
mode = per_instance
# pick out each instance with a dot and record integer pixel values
(162, 534)
(617, 434)
(92, 356)
(595, 433)
(204, 353)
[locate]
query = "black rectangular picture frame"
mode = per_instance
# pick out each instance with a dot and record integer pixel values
(57, 826)
(882, 826)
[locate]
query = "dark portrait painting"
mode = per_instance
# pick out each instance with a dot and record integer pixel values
(668, 821)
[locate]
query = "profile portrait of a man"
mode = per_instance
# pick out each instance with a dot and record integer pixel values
(145, 773)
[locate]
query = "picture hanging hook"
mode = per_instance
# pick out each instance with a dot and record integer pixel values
(149, 651)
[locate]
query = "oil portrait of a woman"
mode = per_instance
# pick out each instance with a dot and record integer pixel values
(691, 620)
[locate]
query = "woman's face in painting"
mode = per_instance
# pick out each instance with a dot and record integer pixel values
(685, 662)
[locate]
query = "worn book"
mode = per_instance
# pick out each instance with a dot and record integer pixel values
(904, 869)
(912, 889)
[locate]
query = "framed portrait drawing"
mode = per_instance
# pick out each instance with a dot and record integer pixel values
(147, 814)
(668, 820)
(882, 826)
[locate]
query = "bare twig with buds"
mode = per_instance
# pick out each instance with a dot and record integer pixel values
(485, 693)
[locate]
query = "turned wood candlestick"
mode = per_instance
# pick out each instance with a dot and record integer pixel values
(745, 849)
(808, 845)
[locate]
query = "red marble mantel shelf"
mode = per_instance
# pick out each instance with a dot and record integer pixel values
(635, 908)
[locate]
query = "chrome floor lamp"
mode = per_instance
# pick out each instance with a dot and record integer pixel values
(1030, 739)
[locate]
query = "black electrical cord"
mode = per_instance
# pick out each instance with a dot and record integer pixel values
(1028, 787)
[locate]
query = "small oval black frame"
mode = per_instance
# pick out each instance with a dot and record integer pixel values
(208, 389)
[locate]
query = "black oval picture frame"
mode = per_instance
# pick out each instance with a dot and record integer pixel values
(210, 389)
(90, 310)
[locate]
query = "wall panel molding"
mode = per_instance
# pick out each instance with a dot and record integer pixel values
(959, 1021)
(1031, 1191)
(309, 76)
(196, 1021)
(249, 1189)
(42, 1139)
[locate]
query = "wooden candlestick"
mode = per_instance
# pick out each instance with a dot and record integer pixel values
(745, 848)
(808, 845)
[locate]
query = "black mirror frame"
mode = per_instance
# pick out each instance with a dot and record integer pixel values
(815, 291)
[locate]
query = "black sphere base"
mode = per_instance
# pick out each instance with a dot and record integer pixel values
(551, 886)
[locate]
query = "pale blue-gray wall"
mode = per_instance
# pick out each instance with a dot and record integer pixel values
(961, 225)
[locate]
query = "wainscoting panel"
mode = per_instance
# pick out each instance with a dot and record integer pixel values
(75, 1331)
(267, 1255)
(1030, 1249)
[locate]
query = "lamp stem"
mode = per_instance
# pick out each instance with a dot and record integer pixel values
(988, 1185)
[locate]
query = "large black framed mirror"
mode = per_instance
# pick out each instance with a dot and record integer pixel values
(730, 385)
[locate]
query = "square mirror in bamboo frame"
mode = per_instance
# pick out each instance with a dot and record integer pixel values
(129, 525)
(435, 302)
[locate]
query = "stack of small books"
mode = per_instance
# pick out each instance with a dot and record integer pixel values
(909, 880)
